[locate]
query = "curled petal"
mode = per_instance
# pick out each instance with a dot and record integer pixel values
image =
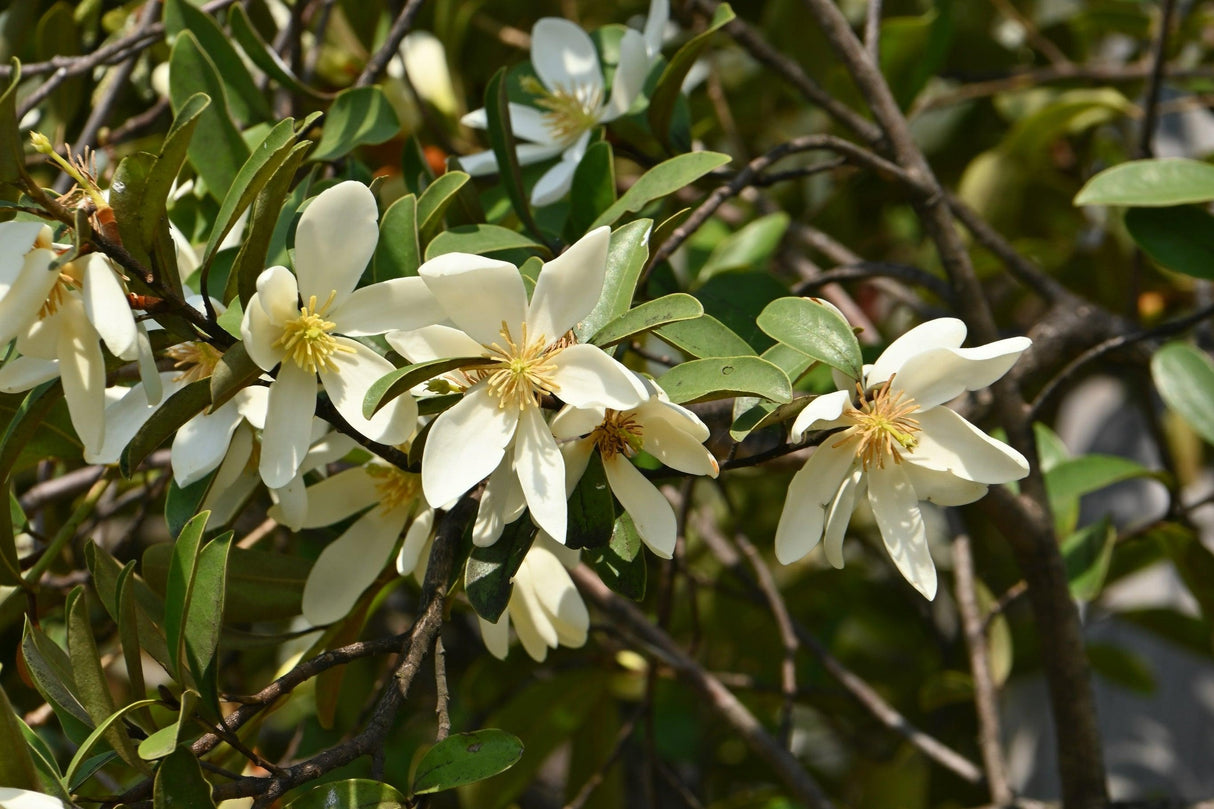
(23, 292)
(555, 183)
(810, 493)
(678, 449)
(82, 371)
(202, 442)
(339, 496)
(943, 332)
(838, 516)
(949, 443)
(823, 413)
(650, 511)
(416, 539)
(939, 375)
(496, 636)
(629, 75)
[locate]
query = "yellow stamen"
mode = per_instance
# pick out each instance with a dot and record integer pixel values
(396, 487)
(619, 434)
(569, 112)
(306, 339)
(81, 168)
(523, 371)
(882, 425)
(196, 360)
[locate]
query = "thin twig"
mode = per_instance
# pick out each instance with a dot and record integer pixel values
(1155, 80)
(378, 62)
(442, 698)
(872, 30)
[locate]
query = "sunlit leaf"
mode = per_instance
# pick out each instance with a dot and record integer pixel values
(465, 758)
(648, 316)
(723, 377)
(357, 117)
(1184, 377)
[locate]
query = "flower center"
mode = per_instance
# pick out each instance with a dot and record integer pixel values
(195, 359)
(70, 279)
(619, 434)
(307, 340)
(570, 112)
(522, 372)
(396, 487)
(882, 424)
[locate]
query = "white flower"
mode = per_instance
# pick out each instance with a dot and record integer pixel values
(672, 434)
(530, 356)
(304, 321)
(24, 799)
(572, 98)
(901, 446)
(545, 606)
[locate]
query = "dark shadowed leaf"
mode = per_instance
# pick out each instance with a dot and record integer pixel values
(1087, 554)
(397, 253)
(352, 793)
(488, 571)
(620, 563)
(591, 508)
(179, 783)
(164, 423)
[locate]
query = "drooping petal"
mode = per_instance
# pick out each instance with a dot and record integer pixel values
(123, 418)
(838, 516)
(629, 75)
(822, 413)
(153, 384)
(339, 496)
(347, 387)
(432, 343)
(335, 239)
(650, 511)
(577, 458)
(570, 285)
(535, 632)
(19, 304)
(556, 593)
(502, 502)
(943, 332)
(677, 448)
(565, 59)
(810, 493)
(496, 636)
(22, 373)
(107, 308)
(940, 375)
(479, 294)
(589, 377)
(400, 303)
(541, 472)
(235, 463)
(950, 443)
(943, 488)
(896, 509)
(82, 370)
(350, 564)
(284, 443)
(465, 444)
(554, 183)
(655, 27)
(416, 539)
(202, 442)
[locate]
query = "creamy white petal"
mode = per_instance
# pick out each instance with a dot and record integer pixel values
(678, 449)
(478, 164)
(153, 384)
(357, 370)
(432, 343)
(943, 488)
(253, 402)
(339, 496)
(629, 75)
(292, 503)
(292, 401)
(22, 373)
(477, 119)
(541, 472)
(350, 564)
(659, 408)
(416, 540)
(107, 308)
(822, 413)
(577, 457)
(650, 511)
(529, 153)
(574, 422)
(202, 442)
(491, 511)
(943, 332)
(950, 443)
(477, 293)
(16, 240)
(556, 593)
(335, 239)
(810, 493)
(655, 27)
(838, 516)
(896, 509)
(123, 418)
(496, 636)
(588, 377)
(235, 463)
(19, 304)
(278, 293)
(570, 285)
(82, 371)
(13, 798)
(530, 124)
(565, 59)
(535, 632)
(554, 183)
(940, 375)
(327, 446)
(401, 303)
(465, 444)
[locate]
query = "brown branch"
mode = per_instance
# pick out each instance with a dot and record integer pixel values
(442, 698)
(378, 62)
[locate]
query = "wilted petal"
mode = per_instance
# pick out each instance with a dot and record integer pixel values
(433, 343)
(940, 375)
(950, 443)
(107, 308)
(401, 303)
(943, 332)
(589, 377)
(284, 443)
(541, 473)
(822, 413)
(335, 239)
(896, 509)
(570, 285)
(465, 444)
(810, 493)
(565, 59)
(650, 511)
(479, 294)
(350, 564)
(347, 386)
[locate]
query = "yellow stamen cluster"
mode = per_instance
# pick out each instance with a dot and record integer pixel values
(195, 360)
(569, 113)
(523, 370)
(307, 340)
(882, 424)
(69, 280)
(396, 487)
(619, 434)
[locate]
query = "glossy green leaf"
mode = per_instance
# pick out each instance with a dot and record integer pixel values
(749, 248)
(465, 758)
(16, 765)
(399, 382)
(626, 256)
(234, 371)
(260, 585)
(179, 783)
(216, 150)
(204, 618)
(180, 505)
(488, 571)
(1122, 667)
(107, 727)
(352, 793)
(434, 201)
(670, 84)
(1180, 238)
(816, 330)
(1069, 480)
(648, 316)
(180, 580)
(591, 508)
(247, 103)
(479, 239)
(750, 413)
(621, 563)
(592, 190)
(179, 408)
(398, 253)
(51, 671)
(120, 594)
(723, 377)
(1184, 376)
(501, 139)
(358, 116)
(261, 54)
(661, 180)
(1087, 554)
(703, 337)
(1162, 182)
(165, 740)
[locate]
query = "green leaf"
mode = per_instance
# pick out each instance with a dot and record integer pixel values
(1087, 554)
(704, 336)
(12, 156)
(479, 239)
(262, 55)
(204, 618)
(1069, 480)
(488, 572)
(180, 505)
(36, 427)
(751, 414)
(234, 372)
(649, 315)
(180, 580)
(465, 758)
(123, 593)
(501, 139)
(434, 201)
(127, 617)
(1162, 182)
(723, 377)
(670, 84)
(663, 179)
(16, 766)
(260, 585)
(164, 423)
(626, 256)
(592, 190)
(816, 330)
(591, 508)
(749, 248)
(164, 741)
(216, 151)
(1122, 667)
(620, 563)
(106, 727)
(352, 793)
(415, 167)
(1180, 238)
(358, 116)
(179, 783)
(398, 253)
(51, 670)
(247, 103)
(1184, 377)
(399, 382)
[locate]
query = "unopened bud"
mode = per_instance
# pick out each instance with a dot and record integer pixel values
(41, 143)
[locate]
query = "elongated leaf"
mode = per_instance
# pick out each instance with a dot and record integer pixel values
(488, 571)
(647, 316)
(247, 103)
(1121, 666)
(204, 618)
(723, 377)
(1180, 238)
(704, 336)
(106, 727)
(434, 201)
(261, 54)
(352, 793)
(816, 330)
(234, 372)
(501, 138)
(621, 563)
(16, 765)
(400, 381)
(127, 618)
(591, 508)
(93, 687)
(179, 783)
(465, 758)
(661, 180)
(177, 592)
(749, 248)
(1087, 554)
(1069, 480)
(359, 116)
(1165, 181)
(260, 585)
(592, 190)
(398, 252)
(51, 670)
(120, 594)
(670, 84)
(1184, 377)
(479, 239)
(626, 256)
(164, 741)
(164, 423)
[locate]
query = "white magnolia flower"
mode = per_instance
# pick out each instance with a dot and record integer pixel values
(423, 60)
(529, 355)
(900, 446)
(390, 498)
(571, 97)
(305, 321)
(545, 606)
(25, 799)
(671, 433)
